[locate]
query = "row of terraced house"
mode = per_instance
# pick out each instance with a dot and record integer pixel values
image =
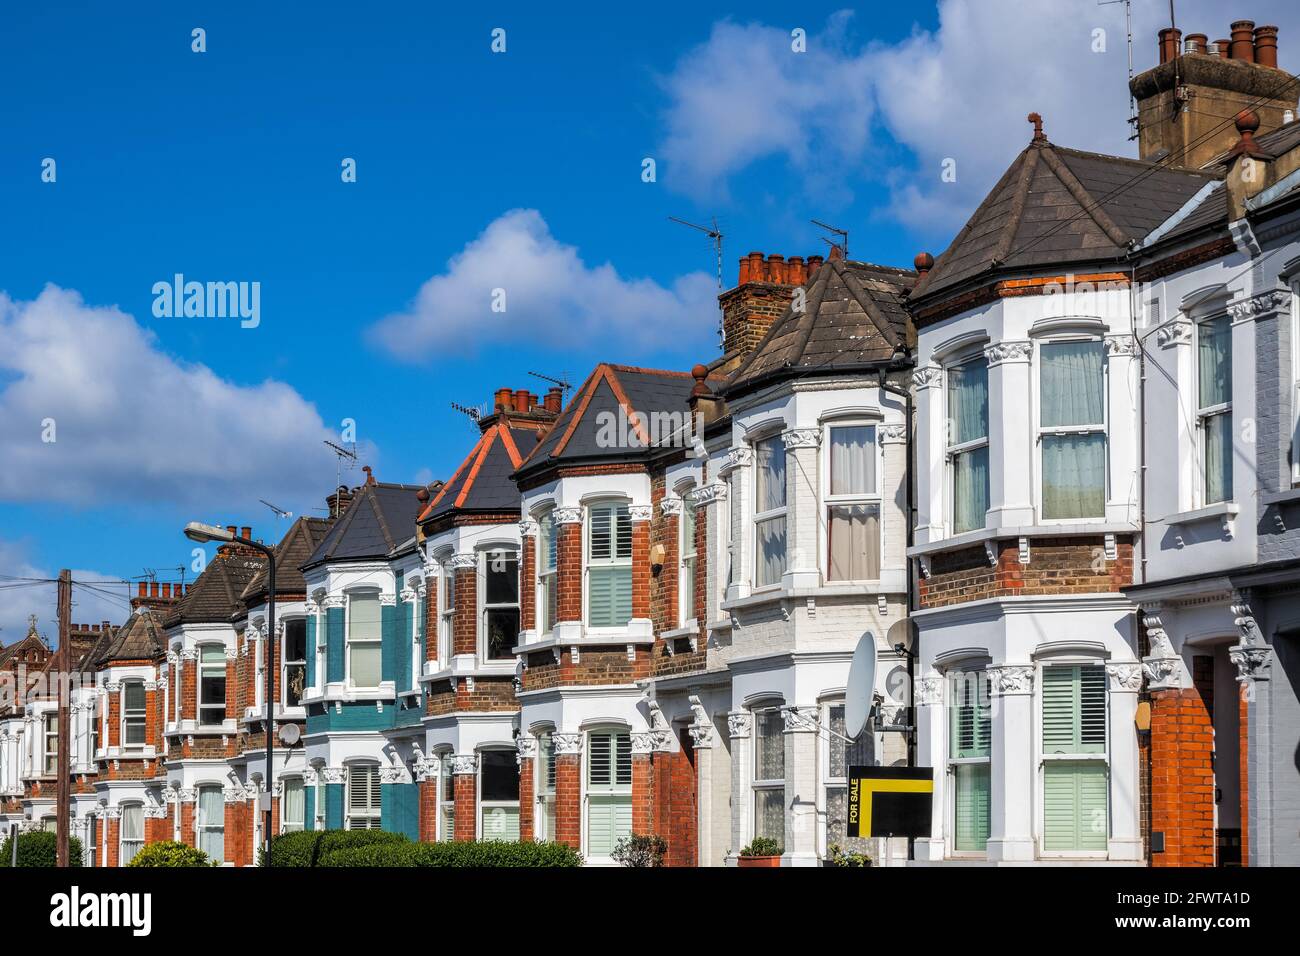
(1054, 473)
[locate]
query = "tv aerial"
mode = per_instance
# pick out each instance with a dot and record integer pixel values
(279, 512)
(341, 454)
(563, 382)
(713, 234)
(842, 233)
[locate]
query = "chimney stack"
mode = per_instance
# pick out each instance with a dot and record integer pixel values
(554, 400)
(764, 287)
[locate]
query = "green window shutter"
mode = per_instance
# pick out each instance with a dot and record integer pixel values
(1074, 805)
(968, 712)
(388, 638)
(311, 650)
(609, 798)
(971, 803)
(610, 600)
(609, 586)
(1074, 709)
(334, 644)
(609, 819)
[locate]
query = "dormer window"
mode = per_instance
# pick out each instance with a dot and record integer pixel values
(609, 565)
(769, 511)
(1214, 407)
(365, 639)
(968, 443)
(1072, 429)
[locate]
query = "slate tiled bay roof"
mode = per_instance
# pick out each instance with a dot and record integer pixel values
(379, 519)
(853, 315)
(214, 595)
(1057, 207)
(482, 483)
(299, 542)
(628, 396)
(141, 638)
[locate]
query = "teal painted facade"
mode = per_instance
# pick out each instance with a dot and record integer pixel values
(399, 807)
(334, 806)
(353, 715)
(309, 808)
(388, 646)
(334, 644)
(311, 650)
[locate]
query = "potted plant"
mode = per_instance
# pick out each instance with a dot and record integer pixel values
(762, 851)
(836, 856)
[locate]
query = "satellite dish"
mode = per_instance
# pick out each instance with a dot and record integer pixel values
(289, 734)
(860, 693)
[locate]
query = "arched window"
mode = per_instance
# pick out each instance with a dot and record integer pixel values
(211, 821)
(132, 832)
(363, 797)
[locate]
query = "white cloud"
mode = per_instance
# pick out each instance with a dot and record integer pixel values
(553, 299)
(134, 425)
(961, 91)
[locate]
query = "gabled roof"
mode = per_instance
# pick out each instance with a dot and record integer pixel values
(379, 519)
(853, 314)
(139, 639)
(483, 482)
(620, 396)
(303, 537)
(214, 595)
(1058, 207)
(32, 640)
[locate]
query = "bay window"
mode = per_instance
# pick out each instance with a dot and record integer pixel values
(363, 797)
(969, 733)
(1214, 407)
(1072, 429)
(498, 795)
(1074, 758)
(365, 639)
(769, 774)
(212, 685)
(447, 616)
(294, 657)
(853, 505)
(131, 835)
(609, 565)
(211, 822)
(50, 745)
(500, 604)
(769, 511)
(546, 784)
(446, 799)
(547, 575)
(686, 588)
(840, 756)
(133, 709)
(609, 790)
(968, 443)
(293, 805)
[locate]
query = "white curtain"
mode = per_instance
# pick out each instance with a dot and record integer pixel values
(853, 461)
(294, 806)
(212, 821)
(771, 550)
(769, 459)
(1072, 388)
(854, 542)
(1214, 363)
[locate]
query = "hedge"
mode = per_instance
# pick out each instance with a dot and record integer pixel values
(171, 853)
(40, 848)
(466, 853)
(305, 847)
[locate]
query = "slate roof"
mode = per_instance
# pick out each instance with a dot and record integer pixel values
(1274, 142)
(141, 638)
(853, 315)
(1057, 206)
(214, 595)
(1210, 213)
(297, 545)
(483, 482)
(379, 519)
(631, 394)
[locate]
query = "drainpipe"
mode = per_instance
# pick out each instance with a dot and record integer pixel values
(910, 473)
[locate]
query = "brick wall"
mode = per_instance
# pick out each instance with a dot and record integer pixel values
(569, 570)
(527, 583)
(428, 796)
(465, 805)
(1182, 776)
(430, 617)
(1056, 566)
(464, 622)
(596, 665)
(568, 799)
(527, 801)
(490, 694)
(189, 689)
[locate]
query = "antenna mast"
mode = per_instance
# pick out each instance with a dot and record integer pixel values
(713, 234)
(342, 453)
(1128, 31)
(279, 512)
(842, 233)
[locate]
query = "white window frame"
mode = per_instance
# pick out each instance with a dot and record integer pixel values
(419, 611)
(485, 557)
(202, 824)
(830, 782)
(482, 806)
(286, 663)
(199, 706)
(951, 451)
(544, 771)
(348, 639)
(142, 716)
(872, 500)
(446, 823)
(50, 744)
(371, 814)
(446, 611)
(952, 761)
(616, 789)
(588, 562)
(1042, 431)
(544, 572)
(771, 514)
(122, 842)
(285, 823)
(1206, 412)
(688, 558)
(765, 784)
(1102, 757)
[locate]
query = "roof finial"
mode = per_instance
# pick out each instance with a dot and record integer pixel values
(1037, 120)
(370, 478)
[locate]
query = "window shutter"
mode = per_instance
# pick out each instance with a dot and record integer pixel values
(609, 819)
(334, 644)
(1074, 709)
(969, 714)
(501, 823)
(1074, 806)
(971, 807)
(599, 762)
(610, 602)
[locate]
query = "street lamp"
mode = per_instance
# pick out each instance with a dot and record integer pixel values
(203, 533)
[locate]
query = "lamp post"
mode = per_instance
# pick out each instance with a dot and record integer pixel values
(203, 533)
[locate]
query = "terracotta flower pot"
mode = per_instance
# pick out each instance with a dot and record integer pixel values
(758, 861)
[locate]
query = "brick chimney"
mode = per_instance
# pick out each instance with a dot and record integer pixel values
(763, 291)
(339, 501)
(522, 408)
(155, 596)
(1187, 102)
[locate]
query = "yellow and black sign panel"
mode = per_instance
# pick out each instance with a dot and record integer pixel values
(890, 801)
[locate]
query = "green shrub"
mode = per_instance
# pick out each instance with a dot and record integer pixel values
(493, 853)
(171, 853)
(641, 849)
(39, 848)
(763, 846)
(305, 847)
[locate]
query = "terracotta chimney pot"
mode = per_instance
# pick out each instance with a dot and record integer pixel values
(521, 400)
(1266, 46)
(776, 269)
(1243, 41)
(757, 268)
(144, 589)
(554, 400)
(795, 271)
(1196, 42)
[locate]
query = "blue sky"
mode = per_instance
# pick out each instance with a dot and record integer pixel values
(475, 170)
